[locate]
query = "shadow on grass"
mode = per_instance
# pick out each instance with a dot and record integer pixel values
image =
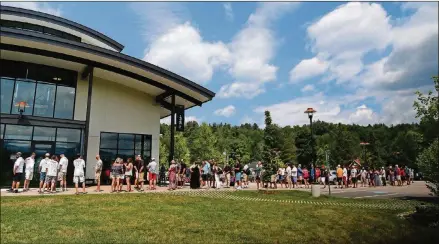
(431, 200)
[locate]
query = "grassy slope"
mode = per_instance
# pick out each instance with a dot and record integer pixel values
(147, 218)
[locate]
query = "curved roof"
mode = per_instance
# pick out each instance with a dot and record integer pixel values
(63, 22)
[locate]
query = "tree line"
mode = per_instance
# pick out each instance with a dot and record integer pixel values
(402, 144)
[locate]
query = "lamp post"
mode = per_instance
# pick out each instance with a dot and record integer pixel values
(364, 144)
(22, 105)
(310, 112)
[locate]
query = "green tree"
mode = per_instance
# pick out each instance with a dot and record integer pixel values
(428, 163)
(181, 151)
(202, 145)
(270, 150)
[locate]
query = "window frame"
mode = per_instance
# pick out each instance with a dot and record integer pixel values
(142, 149)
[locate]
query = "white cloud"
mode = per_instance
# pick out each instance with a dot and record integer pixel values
(176, 44)
(226, 111)
(228, 11)
(308, 68)
(307, 88)
(363, 116)
(36, 6)
(167, 120)
(252, 50)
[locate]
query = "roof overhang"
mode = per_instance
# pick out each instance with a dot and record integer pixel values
(109, 65)
(31, 16)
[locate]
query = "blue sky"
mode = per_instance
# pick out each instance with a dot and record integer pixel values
(352, 62)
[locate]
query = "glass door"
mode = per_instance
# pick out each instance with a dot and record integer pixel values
(40, 149)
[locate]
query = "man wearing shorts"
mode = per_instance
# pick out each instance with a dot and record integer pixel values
(152, 171)
(345, 177)
(51, 174)
(299, 176)
(139, 167)
(78, 174)
(63, 163)
(17, 172)
(339, 176)
(42, 167)
(238, 168)
(245, 174)
(323, 175)
(98, 172)
(294, 175)
(398, 175)
(354, 174)
(29, 164)
(288, 176)
(183, 169)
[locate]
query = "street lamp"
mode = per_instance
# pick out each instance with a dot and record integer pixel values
(310, 112)
(364, 144)
(22, 105)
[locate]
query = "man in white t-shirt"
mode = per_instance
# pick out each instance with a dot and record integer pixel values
(354, 176)
(345, 177)
(288, 175)
(294, 175)
(152, 172)
(78, 174)
(63, 164)
(98, 172)
(42, 168)
(29, 164)
(51, 174)
(17, 171)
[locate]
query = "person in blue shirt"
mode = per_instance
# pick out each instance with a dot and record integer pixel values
(299, 176)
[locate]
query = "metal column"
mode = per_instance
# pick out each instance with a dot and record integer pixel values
(87, 125)
(171, 149)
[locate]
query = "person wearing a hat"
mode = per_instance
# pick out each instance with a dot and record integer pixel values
(152, 171)
(17, 172)
(42, 167)
(29, 171)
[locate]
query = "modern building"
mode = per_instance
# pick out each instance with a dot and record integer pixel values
(66, 88)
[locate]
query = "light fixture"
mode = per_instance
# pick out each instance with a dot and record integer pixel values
(22, 105)
(310, 112)
(57, 79)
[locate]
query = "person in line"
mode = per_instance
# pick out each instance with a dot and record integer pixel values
(363, 176)
(172, 175)
(116, 172)
(139, 167)
(383, 176)
(280, 175)
(216, 170)
(17, 171)
(245, 174)
(299, 176)
(211, 176)
(305, 176)
(238, 169)
(42, 169)
(403, 176)
(323, 175)
(354, 175)
(182, 172)
(195, 176)
(339, 176)
(98, 173)
(51, 174)
(122, 175)
(258, 171)
(29, 164)
(294, 175)
(312, 174)
(78, 173)
(398, 175)
(63, 163)
(345, 177)
(227, 169)
(128, 173)
(204, 170)
(412, 175)
(152, 171)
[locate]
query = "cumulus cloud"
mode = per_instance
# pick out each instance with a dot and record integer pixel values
(226, 111)
(308, 68)
(36, 6)
(228, 11)
(167, 120)
(177, 45)
(307, 88)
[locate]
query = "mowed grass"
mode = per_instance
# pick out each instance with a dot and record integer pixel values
(159, 218)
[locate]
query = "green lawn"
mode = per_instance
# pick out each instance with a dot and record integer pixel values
(159, 218)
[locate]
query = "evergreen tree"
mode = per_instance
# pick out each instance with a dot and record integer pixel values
(269, 152)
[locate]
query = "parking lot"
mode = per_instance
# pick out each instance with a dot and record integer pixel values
(415, 190)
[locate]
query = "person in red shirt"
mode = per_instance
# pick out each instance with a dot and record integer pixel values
(317, 174)
(305, 173)
(402, 173)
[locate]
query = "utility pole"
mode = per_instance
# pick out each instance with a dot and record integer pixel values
(329, 172)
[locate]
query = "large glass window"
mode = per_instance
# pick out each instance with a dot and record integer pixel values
(68, 135)
(44, 100)
(65, 99)
(7, 89)
(24, 92)
(44, 133)
(18, 132)
(124, 145)
(48, 91)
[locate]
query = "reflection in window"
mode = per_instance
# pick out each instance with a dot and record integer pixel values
(44, 100)
(109, 140)
(44, 133)
(13, 146)
(70, 149)
(24, 92)
(68, 135)
(7, 89)
(18, 132)
(126, 141)
(2, 129)
(65, 99)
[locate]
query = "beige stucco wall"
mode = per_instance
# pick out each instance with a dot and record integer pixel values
(81, 99)
(116, 108)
